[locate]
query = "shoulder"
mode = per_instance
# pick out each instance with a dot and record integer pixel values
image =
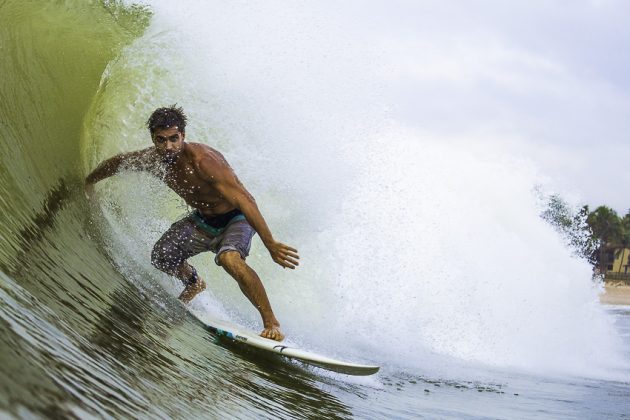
(207, 160)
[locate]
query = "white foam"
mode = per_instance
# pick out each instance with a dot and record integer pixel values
(414, 243)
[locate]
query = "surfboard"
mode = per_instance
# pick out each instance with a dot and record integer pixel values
(241, 335)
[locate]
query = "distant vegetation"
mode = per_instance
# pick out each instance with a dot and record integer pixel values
(591, 235)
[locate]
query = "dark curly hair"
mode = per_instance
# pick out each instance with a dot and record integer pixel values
(172, 116)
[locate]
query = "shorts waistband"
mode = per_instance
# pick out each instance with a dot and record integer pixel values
(216, 225)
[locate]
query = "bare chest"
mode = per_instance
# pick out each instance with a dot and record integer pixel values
(184, 179)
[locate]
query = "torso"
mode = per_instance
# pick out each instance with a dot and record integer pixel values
(184, 178)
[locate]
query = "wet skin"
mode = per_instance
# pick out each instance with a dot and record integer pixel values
(206, 182)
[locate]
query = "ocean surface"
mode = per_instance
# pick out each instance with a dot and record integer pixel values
(475, 313)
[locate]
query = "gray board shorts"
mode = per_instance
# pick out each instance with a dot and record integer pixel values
(192, 235)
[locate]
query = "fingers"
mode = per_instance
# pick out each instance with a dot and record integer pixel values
(89, 190)
(288, 248)
(291, 254)
(285, 256)
(290, 258)
(286, 263)
(289, 251)
(292, 261)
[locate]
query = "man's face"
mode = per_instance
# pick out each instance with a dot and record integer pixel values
(169, 143)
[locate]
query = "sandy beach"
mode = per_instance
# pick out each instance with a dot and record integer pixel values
(616, 293)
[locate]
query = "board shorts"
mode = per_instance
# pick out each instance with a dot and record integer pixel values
(195, 234)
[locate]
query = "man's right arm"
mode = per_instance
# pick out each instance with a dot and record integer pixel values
(139, 160)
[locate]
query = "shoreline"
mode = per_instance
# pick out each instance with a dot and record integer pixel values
(615, 293)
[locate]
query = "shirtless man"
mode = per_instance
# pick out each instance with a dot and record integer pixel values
(224, 219)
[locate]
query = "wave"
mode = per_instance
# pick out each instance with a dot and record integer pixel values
(433, 240)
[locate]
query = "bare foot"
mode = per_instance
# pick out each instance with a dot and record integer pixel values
(273, 333)
(192, 290)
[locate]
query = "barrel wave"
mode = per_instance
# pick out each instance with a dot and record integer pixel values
(393, 272)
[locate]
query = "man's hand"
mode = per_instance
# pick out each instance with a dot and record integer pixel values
(89, 190)
(284, 255)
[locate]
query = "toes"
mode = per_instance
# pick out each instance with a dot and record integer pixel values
(272, 334)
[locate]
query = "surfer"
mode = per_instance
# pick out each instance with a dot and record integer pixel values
(224, 219)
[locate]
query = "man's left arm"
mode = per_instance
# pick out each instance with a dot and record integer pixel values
(233, 191)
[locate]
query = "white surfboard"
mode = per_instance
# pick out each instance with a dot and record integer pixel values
(239, 334)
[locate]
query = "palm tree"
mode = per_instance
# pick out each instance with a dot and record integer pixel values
(607, 229)
(624, 238)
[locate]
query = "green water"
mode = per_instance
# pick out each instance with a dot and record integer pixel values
(54, 56)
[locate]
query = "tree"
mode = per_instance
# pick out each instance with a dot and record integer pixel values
(624, 238)
(607, 230)
(572, 226)
(625, 224)
(605, 224)
(594, 236)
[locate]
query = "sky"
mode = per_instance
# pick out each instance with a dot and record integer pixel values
(548, 79)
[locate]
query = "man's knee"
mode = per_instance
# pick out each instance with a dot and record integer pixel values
(231, 261)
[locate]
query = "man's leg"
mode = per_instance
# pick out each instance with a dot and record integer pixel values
(185, 272)
(170, 254)
(252, 287)
(193, 281)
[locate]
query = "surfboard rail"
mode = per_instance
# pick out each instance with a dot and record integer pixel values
(233, 332)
